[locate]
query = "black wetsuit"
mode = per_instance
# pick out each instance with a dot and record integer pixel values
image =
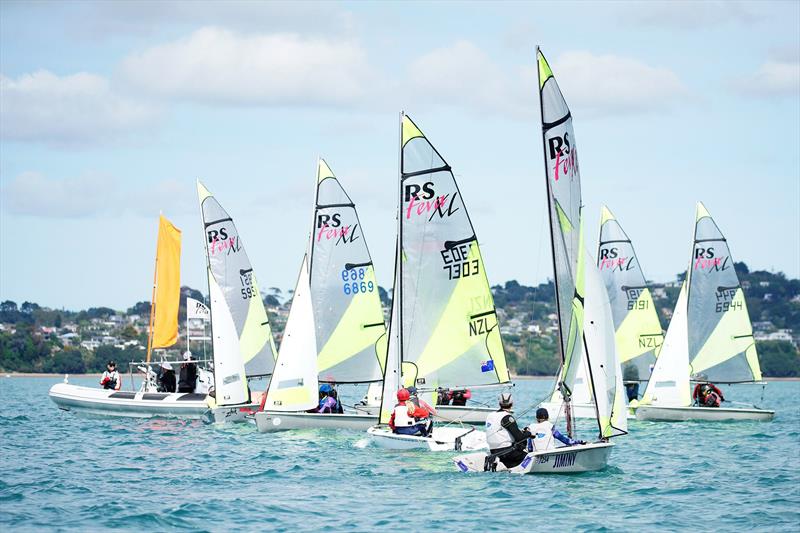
(166, 382)
(513, 455)
(188, 379)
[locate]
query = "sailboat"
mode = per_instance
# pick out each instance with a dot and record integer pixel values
(162, 333)
(335, 332)
(585, 325)
(638, 330)
(443, 333)
(241, 335)
(710, 337)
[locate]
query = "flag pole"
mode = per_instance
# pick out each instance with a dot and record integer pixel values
(153, 298)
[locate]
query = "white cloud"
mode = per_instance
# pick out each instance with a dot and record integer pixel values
(594, 85)
(215, 65)
(93, 194)
(74, 109)
(32, 193)
(608, 84)
(779, 76)
(692, 15)
(463, 74)
(110, 19)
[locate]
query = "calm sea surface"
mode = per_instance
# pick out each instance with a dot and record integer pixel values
(68, 472)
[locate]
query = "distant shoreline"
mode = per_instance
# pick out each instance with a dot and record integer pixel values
(97, 375)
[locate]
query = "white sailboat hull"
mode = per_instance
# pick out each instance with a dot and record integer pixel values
(230, 414)
(127, 403)
(567, 460)
(273, 421)
(579, 410)
(710, 414)
(442, 439)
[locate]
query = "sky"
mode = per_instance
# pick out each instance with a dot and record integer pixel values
(109, 112)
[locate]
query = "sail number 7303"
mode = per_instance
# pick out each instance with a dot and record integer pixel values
(457, 263)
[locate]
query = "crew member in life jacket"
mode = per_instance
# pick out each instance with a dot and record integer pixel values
(419, 402)
(707, 395)
(110, 378)
(187, 380)
(166, 378)
(544, 432)
(503, 436)
(328, 403)
(408, 418)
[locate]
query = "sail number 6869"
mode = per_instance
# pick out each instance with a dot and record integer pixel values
(354, 281)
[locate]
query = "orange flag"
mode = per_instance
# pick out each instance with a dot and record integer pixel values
(168, 284)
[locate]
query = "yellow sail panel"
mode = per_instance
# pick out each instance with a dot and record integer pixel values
(291, 396)
(457, 331)
(168, 284)
(544, 70)
(357, 329)
(410, 130)
(323, 170)
(640, 331)
(733, 335)
(256, 331)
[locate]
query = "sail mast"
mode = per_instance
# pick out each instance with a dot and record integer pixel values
(399, 280)
(565, 393)
(152, 306)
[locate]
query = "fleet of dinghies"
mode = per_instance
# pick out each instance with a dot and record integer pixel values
(443, 334)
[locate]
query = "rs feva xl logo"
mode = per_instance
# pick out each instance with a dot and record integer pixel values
(422, 199)
(563, 157)
(330, 227)
(610, 260)
(706, 259)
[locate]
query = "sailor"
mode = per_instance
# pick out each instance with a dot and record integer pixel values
(188, 374)
(460, 397)
(110, 378)
(407, 418)
(335, 395)
(544, 431)
(707, 395)
(166, 378)
(630, 378)
(327, 400)
(503, 435)
(443, 397)
(420, 403)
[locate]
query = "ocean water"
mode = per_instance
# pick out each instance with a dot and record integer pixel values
(67, 472)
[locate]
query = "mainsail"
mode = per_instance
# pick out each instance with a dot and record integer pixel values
(445, 315)
(721, 344)
(638, 330)
(350, 330)
(230, 271)
(566, 223)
